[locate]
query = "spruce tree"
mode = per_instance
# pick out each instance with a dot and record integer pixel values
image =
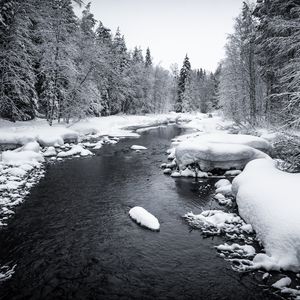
(148, 59)
(183, 81)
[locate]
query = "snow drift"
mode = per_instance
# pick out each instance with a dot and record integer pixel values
(268, 199)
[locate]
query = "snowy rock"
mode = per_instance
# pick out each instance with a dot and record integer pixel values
(75, 150)
(282, 283)
(268, 199)
(85, 152)
(18, 172)
(144, 218)
(240, 250)
(215, 221)
(188, 173)
(222, 200)
(221, 183)
(233, 172)
(175, 174)
(224, 190)
(50, 151)
(236, 139)
(167, 171)
(137, 147)
(210, 156)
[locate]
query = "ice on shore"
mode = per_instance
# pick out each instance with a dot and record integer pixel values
(268, 199)
(144, 218)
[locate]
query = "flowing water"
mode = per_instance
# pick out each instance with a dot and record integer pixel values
(73, 238)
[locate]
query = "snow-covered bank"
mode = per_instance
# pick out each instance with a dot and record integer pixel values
(20, 133)
(268, 199)
(37, 142)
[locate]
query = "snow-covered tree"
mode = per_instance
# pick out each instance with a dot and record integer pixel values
(183, 81)
(17, 77)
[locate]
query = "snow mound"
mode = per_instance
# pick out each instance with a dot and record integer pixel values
(210, 156)
(137, 147)
(144, 218)
(267, 198)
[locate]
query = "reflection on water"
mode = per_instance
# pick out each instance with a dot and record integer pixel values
(73, 238)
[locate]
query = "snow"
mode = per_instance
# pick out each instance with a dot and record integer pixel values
(138, 147)
(144, 218)
(215, 221)
(75, 150)
(241, 250)
(222, 183)
(267, 198)
(50, 151)
(31, 146)
(18, 158)
(282, 283)
(233, 172)
(224, 190)
(210, 156)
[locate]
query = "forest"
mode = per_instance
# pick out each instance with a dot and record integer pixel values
(58, 66)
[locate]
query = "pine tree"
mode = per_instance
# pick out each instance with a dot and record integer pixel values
(148, 59)
(183, 81)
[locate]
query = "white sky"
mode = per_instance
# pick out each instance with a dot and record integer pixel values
(172, 28)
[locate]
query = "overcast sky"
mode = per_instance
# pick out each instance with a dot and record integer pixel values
(172, 28)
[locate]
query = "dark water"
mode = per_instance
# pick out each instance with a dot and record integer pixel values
(73, 238)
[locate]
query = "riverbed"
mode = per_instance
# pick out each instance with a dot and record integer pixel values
(73, 238)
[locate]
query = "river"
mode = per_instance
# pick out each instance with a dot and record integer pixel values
(73, 238)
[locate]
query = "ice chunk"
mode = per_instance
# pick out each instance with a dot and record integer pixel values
(144, 218)
(268, 199)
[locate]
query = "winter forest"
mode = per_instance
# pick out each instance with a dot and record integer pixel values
(125, 177)
(58, 66)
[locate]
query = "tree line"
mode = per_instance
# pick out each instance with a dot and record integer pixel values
(56, 65)
(260, 75)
